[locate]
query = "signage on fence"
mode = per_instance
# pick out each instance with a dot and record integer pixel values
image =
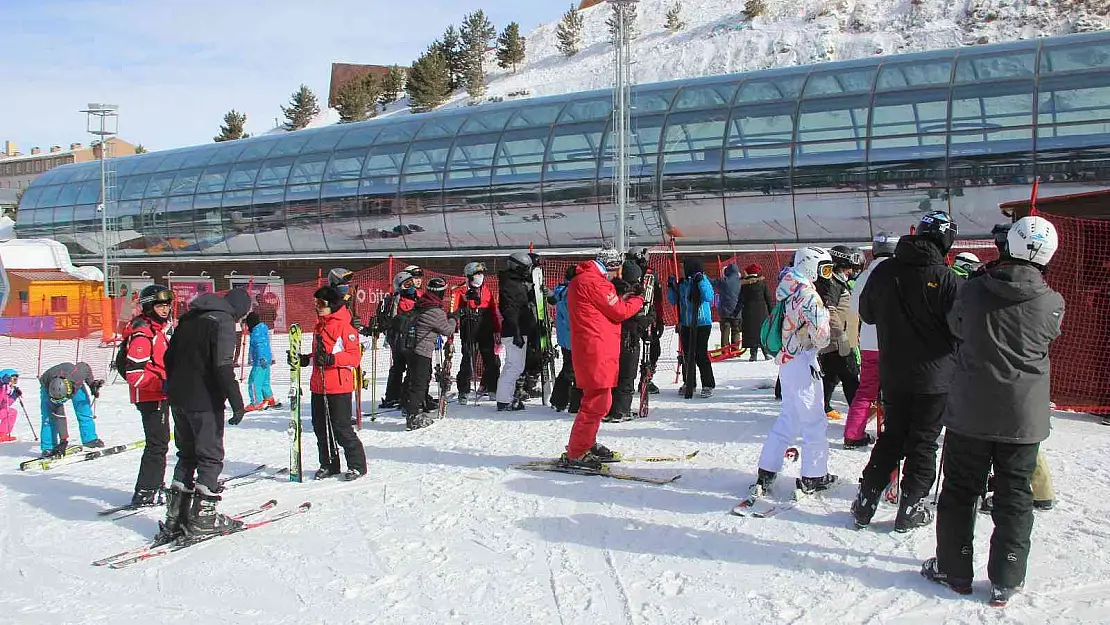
(128, 296)
(267, 298)
(186, 289)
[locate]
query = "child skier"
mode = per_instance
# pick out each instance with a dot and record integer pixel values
(258, 384)
(429, 323)
(9, 394)
(61, 383)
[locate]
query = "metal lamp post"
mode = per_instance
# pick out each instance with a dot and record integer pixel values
(622, 115)
(102, 120)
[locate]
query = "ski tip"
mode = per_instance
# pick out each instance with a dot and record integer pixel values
(690, 456)
(304, 506)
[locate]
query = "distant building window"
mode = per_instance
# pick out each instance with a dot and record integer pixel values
(59, 304)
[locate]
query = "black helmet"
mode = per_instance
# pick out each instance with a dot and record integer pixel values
(842, 256)
(1001, 234)
(520, 261)
(154, 294)
(59, 390)
(938, 227)
(339, 275)
(884, 244)
(437, 285)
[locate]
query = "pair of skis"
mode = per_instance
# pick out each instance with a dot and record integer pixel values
(546, 347)
(242, 479)
(80, 455)
(554, 466)
(443, 369)
(295, 339)
(646, 370)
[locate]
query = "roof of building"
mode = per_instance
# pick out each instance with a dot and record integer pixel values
(43, 275)
(62, 152)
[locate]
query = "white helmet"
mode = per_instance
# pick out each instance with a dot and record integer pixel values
(967, 261)
(809, 260)
(1033, 239)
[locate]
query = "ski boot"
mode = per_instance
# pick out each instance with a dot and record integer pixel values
(324, 473)
(856, 443)
(1001, 595)
(464, 398)
(417, 421)
(604, 454)
(147, 497)
(179, 501)
(762, 486)
(865, 504)
(387, 404)
(516, 404)
(652, 388)
(59, 450)
(912, 513)
(352, 475)
(95, 443)
(810, 485)
(587, 461)
(931, 571)
(706, 393)
(204, 520)
(617, 417)
(833, 415)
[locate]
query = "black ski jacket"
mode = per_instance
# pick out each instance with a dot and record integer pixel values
(1005, 321)
(907, 299)
(200, 361)
(518, 315)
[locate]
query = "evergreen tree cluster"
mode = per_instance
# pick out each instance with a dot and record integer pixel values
(754, 8)
(674, 18)
(357, 100)
(301, 110)
(510, 47)
(232, 127)
(613, 22)
(457, 61)
(569, 32)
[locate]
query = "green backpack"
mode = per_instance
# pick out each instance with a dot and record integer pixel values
(770, 335)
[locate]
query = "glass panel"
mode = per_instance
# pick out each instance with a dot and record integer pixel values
(360, 136)
(1089, 135)
(345, 166)
(757, 133)
(842, 119)
(787, 87)
(124, 238)
(185, 182)
(1073, 170)
(198, 158)
(569, 217)
(917, 74)
(179, 224)
(49, 195)
(146, 163)
(385, 160)
(468, 217)
(986, 169)
(339, 209)
(1010, 64)
(293, 145)
(213, 179)
(379, 209)
(89, 193)
(323, 140)
(422, 220)
(80, 229)
(840, 81)
(520, 156)
(693, 142)
(487, 121)
(1075, 98)
(910, 112)
(758, 205)
(173, 160)
(517, 211)
(268, 214)
(535, 115)
(398, 132)
(648, 102)
(574, 151)
(227, 152)
(830, 202)
(58, 175)
(207, 223)
(706, 96)
(692, 204)
(308, 168)
(134, 187)
(238, 223)
(440, 127)
(257, 149)
(30, 198)
(424, 165)
(1000, 105)
(906, 182)
(275, 171)
(123, 167)
(588, 110)
(68, 195)
(470, 152)
(1072, 58)
(242, 176)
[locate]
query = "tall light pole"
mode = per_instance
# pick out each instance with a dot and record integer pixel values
(622, 113)
(102, 120)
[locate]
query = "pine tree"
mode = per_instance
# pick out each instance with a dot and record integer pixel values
(392, 85)
(453, 50)
(476, 34)
(569, 32)
(372, 85)
(510, 47)
(429, 81)
(754, 8)
(301, 110)
(354, 102)
(141, 149)
(232, 128)
(674, 18)
(629, 21)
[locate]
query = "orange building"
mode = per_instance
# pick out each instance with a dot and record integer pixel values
(73, 303)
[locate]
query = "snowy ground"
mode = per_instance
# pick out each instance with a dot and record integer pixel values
(441, 531)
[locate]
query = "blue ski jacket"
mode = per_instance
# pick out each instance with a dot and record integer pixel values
(704, 316)
(260, 353)
(562, 316)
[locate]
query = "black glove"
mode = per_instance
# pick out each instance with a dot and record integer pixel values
(236, 417)
(323, 359)
(94, 387)
(17, 393)
(518, 341)
(474, 295)
(304, 359)
(366, 330)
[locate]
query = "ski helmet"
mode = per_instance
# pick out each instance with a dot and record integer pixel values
(1001, 232)
(938, 227)
(1033, 239)
(154, 294)
(402, 280)
(437, 286)
(610, 258)
(340, 275)
(330, 296)
(7, 375)
(473, 268)
(415, 271)
(883, 244)
(966, 261)
(842, 256)
(520, 261)
(811, 262)
(60, 389)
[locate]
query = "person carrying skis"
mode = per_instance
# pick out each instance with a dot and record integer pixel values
(755, 307)
(261, 357)
(998, 411)
(565, 394)
(596, 314)
(335, 354)
(729, 305)
(908, 299)
(200, 379)
(694, 295)
(628, 282)
(61, 383)
(805, 331)
(838, 359)
(146, 338)
(402, 300)
(9, 394)
(867, 393)
(479, 325)
(430, 322)
(518, 326)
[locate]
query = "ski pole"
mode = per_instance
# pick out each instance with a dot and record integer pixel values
(29, 423)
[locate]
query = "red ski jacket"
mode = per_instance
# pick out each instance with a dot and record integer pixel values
(596, 313)
(146, 359)
(486, 304)
(334, 334)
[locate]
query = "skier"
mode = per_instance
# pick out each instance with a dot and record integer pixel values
(965, 264)
(729, 305)
(998, 412)
(428, 323)
(335, 354)
(908, 298)
(518, 325)
(261, 357)
(417, 278)
(200, 378)
(855, 430)
(565, 394)
(693, 295)
(755, 307)
(805, 331)
(147, 339)
(838, 360)
(402, 300)
(479, 325)
(61, 383)
(628, 282)
(9, 394)
(596, 313)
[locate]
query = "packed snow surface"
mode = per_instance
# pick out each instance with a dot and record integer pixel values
(442, 531)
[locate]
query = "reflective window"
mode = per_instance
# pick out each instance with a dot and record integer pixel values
(275, 171)
(185, 182)
(339, 212)
(694, 141)
(647, 132)
(308, 168)
(439, 128)
(146, 163)
(837, 82)
(159, 184)
(213, 179)
(242, 176)
(379, 186)
(385, 160)
(292, 145)
(1075, 98)
(256, 149)
(89, 193)
(268, 214)
(360, 136)
(198, 158)
(535, 115)
(475, 151)
(917, 74)
(49, 197)
(68, 195)
(520, 154)
(1011, 64)
(786, 87)
(227, 152)
(910, 112)
(398, 132)
(487, 121)
(707, 96)
(1073, 58)
(574, 151)
(424, 165)
(992, 105)
(587, 110)
(760, 132)
(174, 160)
(238, 223)
(648, 102)
(345, 165)
(842, 119)
(134, 188)
(123, 167)
(30, 198)
(323, 140)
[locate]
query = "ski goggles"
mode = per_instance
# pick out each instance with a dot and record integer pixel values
(416, 273)
(825, 270)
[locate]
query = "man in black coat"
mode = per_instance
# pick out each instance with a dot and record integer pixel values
(632, 336)
(200, 377)
(907, 299)
(729, 305)
(518, 326)
(998, 410)
(755, 306)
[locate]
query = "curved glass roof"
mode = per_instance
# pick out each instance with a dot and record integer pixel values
(827, 152)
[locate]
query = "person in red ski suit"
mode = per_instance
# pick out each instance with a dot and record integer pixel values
(596, 313)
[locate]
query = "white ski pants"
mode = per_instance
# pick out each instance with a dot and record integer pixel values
(511, 369)
(802, 412)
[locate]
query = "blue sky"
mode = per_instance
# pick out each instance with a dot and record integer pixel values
(175, 67)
